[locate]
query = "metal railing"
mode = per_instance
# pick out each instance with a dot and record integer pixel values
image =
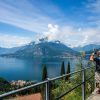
(47, 86)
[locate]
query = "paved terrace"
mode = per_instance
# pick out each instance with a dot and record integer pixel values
(94, 96)
(36, 96)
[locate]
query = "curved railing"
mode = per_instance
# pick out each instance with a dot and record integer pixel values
(47, 86)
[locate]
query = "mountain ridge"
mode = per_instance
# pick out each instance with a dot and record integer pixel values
(42, 49)
(88, 47)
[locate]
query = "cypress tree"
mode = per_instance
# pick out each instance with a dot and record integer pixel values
(62, 69)
(68, 71)
(44, 73)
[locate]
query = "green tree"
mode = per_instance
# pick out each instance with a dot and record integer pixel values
(68, 71)
(4, 85)
(75, 80)
(62, 69)
(44, 73)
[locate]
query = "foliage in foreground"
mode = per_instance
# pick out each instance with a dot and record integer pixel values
(4, 86)
(63, 85)
(62, 69)
(44, 73)
(76, 94)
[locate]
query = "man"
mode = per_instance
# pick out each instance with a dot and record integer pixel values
(96, 57)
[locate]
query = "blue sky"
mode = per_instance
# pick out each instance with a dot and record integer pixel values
(74, 22)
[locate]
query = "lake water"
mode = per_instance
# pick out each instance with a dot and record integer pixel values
(31, 69)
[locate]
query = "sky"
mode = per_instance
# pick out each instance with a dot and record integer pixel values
(73, 22)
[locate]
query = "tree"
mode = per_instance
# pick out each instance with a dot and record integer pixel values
(68, 71)
(4, 85)
(62, 69)
(44, 73)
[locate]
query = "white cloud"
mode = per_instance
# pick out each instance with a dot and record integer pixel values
(67, 34)
(93, 7)
(26, 15)
(12, 41)
(30, 17)
(71, 35)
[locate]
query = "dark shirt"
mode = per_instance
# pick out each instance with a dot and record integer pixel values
(97, 61)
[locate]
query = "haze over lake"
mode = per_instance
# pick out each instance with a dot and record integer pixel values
(31, 69)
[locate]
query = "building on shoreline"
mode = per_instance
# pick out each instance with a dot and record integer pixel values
(21, 83)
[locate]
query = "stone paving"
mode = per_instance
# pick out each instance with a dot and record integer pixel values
(94, 96)
(36, 96)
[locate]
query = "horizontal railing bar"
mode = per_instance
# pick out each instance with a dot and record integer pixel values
(73, 88)
(69, 91)
(89, 78)
(89, 68)
(21, 89)
(65, 75)
(52, 79)
(40, 83)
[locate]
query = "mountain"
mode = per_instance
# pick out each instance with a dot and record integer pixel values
(9, 50)
(43, 49)
(92, 51)
(2, 50)
(87, 47)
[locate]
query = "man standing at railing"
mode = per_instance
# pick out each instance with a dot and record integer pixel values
(96, 57)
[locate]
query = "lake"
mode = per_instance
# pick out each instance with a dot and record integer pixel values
(31, 69)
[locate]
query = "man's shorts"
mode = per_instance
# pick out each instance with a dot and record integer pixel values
(97, 78)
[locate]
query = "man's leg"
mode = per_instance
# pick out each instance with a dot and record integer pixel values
(97, 78)
(97, 85)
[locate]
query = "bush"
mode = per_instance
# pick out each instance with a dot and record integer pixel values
(74, 81)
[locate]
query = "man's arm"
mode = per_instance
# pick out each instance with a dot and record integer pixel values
(92, 57)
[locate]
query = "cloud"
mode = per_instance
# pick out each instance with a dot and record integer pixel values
(93, 7)
(71, 35)
(12, 41)
(28, 15)
(68, 35)
(47, 20)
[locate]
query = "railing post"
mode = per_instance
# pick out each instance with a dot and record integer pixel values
(83, 85)
(47, 94)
